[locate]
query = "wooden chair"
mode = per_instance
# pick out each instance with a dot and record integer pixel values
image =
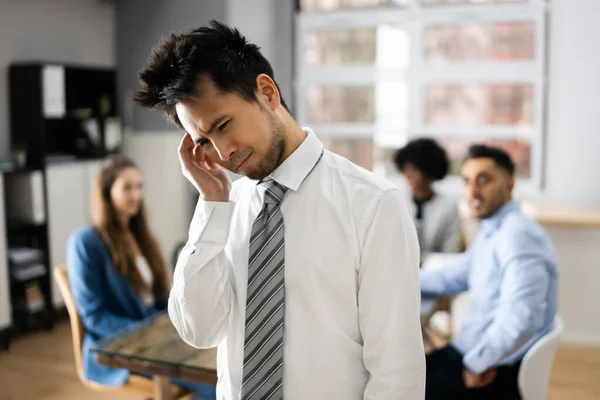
(135, 385)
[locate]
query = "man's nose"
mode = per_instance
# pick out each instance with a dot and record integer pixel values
(225, 149)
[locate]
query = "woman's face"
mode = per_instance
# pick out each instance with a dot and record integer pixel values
(126, 192)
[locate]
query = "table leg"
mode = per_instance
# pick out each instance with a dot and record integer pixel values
(162, 387)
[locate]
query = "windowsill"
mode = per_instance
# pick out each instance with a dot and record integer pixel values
(534, 203)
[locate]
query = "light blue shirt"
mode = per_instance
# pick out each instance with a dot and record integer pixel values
(511, 273)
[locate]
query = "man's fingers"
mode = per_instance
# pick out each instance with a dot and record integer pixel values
(488, 377)
(184, 148)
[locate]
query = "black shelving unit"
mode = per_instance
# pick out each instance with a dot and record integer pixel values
(26, 316)
(85, 95)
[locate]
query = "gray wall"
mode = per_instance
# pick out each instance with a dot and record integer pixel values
(269, 24)
(140, 24)
(77, 32)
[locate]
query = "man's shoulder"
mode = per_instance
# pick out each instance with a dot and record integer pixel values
(354, 175)
(516, 222)
(519, 233)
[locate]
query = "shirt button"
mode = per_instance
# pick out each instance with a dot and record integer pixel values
(203, 217)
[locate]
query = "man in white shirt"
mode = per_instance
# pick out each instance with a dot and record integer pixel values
(304, 273)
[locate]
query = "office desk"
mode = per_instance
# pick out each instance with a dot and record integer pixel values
(153, 346)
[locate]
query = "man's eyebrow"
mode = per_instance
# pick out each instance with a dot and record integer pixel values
(212, 127)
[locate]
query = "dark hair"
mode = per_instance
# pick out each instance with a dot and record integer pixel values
(425, 154)
(500, 157)
(217, 50)
(106, 223)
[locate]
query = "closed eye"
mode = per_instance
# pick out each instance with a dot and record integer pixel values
(203, 142)
(224, 125)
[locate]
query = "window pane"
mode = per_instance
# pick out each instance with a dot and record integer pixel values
(384, 103)
(384, 46)
(480, 42)
(357, 150)
(384, 161)
(329, 5)
(518, 149)
(352, 46)
(335, 104)
(476, 105)
(447, 2)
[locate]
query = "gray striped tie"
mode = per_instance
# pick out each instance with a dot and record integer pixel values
(262, 375)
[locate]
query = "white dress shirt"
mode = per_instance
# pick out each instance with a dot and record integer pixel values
(352, 296)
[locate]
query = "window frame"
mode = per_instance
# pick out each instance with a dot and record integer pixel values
(414, 19)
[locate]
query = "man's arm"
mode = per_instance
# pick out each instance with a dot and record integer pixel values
(523, 298)
(447, 280)
(202, 294)
(389, 303)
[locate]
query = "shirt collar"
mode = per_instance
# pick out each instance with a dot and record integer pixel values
(294, 169)
(489, 224)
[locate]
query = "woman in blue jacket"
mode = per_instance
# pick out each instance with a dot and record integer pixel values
(116, 271)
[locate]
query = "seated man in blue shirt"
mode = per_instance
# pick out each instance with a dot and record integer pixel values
(511, 273)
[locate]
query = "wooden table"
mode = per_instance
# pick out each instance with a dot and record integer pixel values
(153, 347)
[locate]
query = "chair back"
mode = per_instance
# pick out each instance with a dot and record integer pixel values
(77, 329)
(534, 373)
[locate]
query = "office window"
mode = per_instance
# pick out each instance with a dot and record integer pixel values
(372, 74)
(459, 105)
(451, 2)
(329, 5)
(509, 41)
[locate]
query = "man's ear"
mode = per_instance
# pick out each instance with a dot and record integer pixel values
(267, 91)
(511, 183)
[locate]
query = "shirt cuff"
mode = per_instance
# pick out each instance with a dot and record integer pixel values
(476, 365)
(211, 222)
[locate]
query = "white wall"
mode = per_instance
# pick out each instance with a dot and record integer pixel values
(573, 159)
(168, 195)
(573, 117)
(52, 30)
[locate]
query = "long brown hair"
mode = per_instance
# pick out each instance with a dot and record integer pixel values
(107, 224)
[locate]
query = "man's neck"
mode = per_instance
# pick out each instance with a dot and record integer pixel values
(294, 136)
(497, 210)
(423, 195)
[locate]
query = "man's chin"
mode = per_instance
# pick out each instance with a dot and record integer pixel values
(255, 175)
(479, 213)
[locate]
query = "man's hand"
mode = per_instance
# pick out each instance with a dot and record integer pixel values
(207, 176)
(477, 381)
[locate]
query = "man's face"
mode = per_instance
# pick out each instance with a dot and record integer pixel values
(487, 186)
(416, 179)
(245, 137)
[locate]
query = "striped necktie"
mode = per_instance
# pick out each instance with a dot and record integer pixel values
(262, 373)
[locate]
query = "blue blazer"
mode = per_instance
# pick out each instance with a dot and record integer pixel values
(104, 298)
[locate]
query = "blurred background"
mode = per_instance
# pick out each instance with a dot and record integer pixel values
(366, 75)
